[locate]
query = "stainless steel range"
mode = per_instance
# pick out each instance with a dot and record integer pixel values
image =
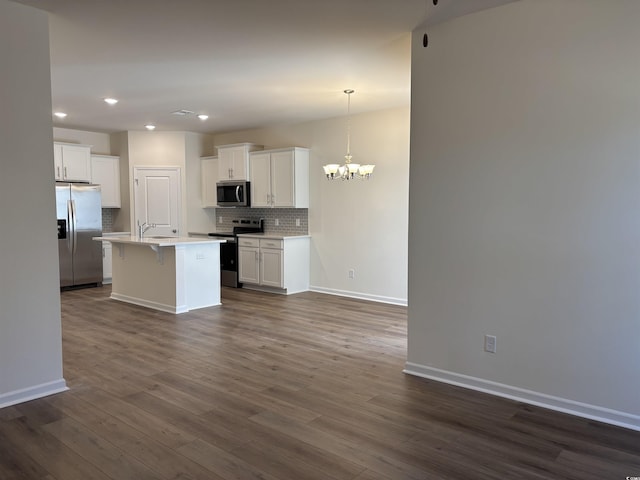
(229, 249)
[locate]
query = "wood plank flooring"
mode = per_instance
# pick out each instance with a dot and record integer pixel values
(308, 386)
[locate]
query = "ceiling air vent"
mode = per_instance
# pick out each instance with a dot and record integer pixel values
(182, 112)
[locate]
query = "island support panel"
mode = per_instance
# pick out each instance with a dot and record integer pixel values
(172, 279)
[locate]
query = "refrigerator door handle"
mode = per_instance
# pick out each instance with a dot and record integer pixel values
(72, 221)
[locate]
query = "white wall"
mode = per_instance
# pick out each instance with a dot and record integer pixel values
(30, 331)
(525, 205)
(199, 220)
(354, 225)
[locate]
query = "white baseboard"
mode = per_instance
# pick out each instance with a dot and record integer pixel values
(592, 412)
(32, 393)
(361, 296)
(146, 303)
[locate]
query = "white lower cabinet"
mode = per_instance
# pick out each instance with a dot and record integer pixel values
(278, 264)
(107, 257)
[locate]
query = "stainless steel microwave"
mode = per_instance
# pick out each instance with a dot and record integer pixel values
(233, 194)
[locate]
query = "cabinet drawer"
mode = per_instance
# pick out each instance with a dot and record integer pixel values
(271, 243)
(248, 242)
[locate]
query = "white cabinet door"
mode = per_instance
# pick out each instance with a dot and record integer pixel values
(232, 163)
(271, 268)
(248, 265)
(280, 178)
(157, 200)
(57, 162)
(107, 260)
(105, 171)
(283, 179)
(260, 167)
(72, 162)
(209, 177)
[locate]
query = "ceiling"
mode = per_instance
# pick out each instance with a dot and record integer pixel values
(245, 63)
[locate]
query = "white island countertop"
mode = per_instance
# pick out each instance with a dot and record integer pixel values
(159, 241)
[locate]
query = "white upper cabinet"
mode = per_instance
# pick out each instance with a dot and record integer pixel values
(280, 178)
(72, 162)
(233, 161)
(105, 171)
(209, 178)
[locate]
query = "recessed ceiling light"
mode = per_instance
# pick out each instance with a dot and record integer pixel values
(60, 114)
(202, 116)
(149, 126)
(111, 101)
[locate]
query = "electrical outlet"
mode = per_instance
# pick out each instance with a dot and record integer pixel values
(297, 222)
(490, 343)
(219, 219)
(352, 273)
(277, 222)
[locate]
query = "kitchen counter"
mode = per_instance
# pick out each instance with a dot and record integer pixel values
(157, 241)
(171, 274)
(272, 236)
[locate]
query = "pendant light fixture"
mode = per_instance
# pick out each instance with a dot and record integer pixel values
(349, 170)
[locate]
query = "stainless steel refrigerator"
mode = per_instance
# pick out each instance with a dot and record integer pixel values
(79, 211)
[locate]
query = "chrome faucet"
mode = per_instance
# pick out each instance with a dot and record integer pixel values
(143, 228)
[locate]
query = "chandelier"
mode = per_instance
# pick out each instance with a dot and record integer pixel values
(349, 170)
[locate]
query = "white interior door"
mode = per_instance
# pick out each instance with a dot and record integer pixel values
(157, 199)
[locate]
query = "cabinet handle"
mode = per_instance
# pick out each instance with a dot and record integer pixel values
(58, 172)
(65, 172)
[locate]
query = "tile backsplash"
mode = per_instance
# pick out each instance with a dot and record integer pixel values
(285, 217)
(107, 220)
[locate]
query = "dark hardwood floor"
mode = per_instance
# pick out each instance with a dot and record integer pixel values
(269, 387)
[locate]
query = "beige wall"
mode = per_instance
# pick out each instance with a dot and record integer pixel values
(354, 225)
(100, 142)
(30, 331)
(524, 205)
(168, 149)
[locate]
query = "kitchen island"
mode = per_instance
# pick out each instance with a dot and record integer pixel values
(171, 274)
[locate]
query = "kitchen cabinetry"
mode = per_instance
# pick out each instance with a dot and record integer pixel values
(280, 178)
(233, 161)
(72, 162)
(107, 261)
(209, 178)
(277, 264)
(105, 171)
